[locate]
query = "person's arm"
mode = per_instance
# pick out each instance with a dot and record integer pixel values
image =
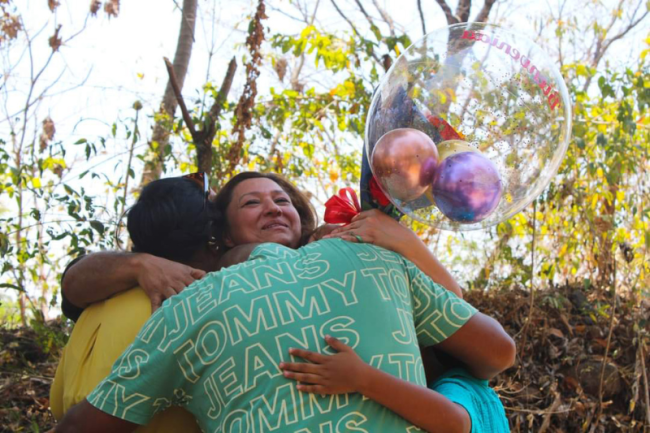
(483, 346)
(98, 276)
(84, 417)
(377, 228)
(443, 320)
(345, 372)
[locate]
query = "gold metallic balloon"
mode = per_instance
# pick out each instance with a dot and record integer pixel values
(404, 162)
(452, 147)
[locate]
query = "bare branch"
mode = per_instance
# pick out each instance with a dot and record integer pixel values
(462, 11)
(603, 44)
(295, 74)
(451, 19)
(631, 26)
(384, 16)
(203, 139)
(354, 29)
(485, 11)
(424, 27)
(365, 14)
(215, 110)
(283, 12)
(179, 98)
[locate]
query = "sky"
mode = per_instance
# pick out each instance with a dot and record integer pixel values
(115, 61)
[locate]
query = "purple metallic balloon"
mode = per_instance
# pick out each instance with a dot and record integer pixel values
(467, 187)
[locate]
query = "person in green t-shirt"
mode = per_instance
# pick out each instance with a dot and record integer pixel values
(215, 348)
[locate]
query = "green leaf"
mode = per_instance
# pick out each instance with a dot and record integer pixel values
(98, 226)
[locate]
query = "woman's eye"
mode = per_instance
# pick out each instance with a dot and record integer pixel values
(282, 200)
(251, 202)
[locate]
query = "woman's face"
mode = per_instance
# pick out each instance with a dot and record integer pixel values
(261, 211)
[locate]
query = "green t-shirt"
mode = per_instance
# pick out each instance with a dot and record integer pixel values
(215, 348)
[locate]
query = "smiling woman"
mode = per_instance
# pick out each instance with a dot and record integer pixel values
(264, 207)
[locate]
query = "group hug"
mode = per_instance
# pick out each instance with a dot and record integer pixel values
(235, 312)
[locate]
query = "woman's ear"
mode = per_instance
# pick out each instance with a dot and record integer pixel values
(227, 240)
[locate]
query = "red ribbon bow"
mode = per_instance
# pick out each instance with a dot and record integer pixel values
(343, 207)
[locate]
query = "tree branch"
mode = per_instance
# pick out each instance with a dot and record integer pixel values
(451, 19)
(354, 29)
(179, 98)
(620, 35)
(365, 14)
(204, 138)
(603, 44)
(215, 110)
(424, 27)
(485, 11)
(462, 11)
(385, 17)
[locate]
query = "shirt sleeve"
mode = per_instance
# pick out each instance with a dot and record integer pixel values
(437, 312)
(482, 404)
(70, 310)
(146, 378)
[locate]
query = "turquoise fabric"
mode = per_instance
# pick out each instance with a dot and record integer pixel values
(215, 348)
(479, 400)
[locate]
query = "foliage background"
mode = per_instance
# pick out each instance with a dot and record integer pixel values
(296, 104)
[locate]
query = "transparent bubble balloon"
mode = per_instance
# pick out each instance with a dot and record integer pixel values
(498, 112)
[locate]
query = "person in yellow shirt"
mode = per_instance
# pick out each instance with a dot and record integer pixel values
(172, 219)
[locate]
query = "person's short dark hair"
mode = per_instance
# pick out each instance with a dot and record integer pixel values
(171, 219)
(306, 212)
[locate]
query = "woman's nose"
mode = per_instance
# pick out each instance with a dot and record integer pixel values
(272, 208)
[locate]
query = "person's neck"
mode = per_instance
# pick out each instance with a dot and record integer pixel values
(204, 261)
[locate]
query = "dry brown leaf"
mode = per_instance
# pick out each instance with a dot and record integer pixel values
(9, 26)
(556, 332)
(53, 4)
(281, 68)
(601, 342)
(55, 40)
(112, 8)
(94, 6)
(48, 133)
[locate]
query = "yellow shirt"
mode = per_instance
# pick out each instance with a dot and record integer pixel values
(101, 334)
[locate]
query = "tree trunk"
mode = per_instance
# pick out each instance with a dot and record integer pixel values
(160, 139)
(606, 231)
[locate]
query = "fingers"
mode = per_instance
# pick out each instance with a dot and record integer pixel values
(337, 344)
(176, 287)
(155, 304)
(197, 274)
(367, 213)
(349, 238)
(158, 298)
(300, 367)
(313, 389)
(304, 377)
(316, 358)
